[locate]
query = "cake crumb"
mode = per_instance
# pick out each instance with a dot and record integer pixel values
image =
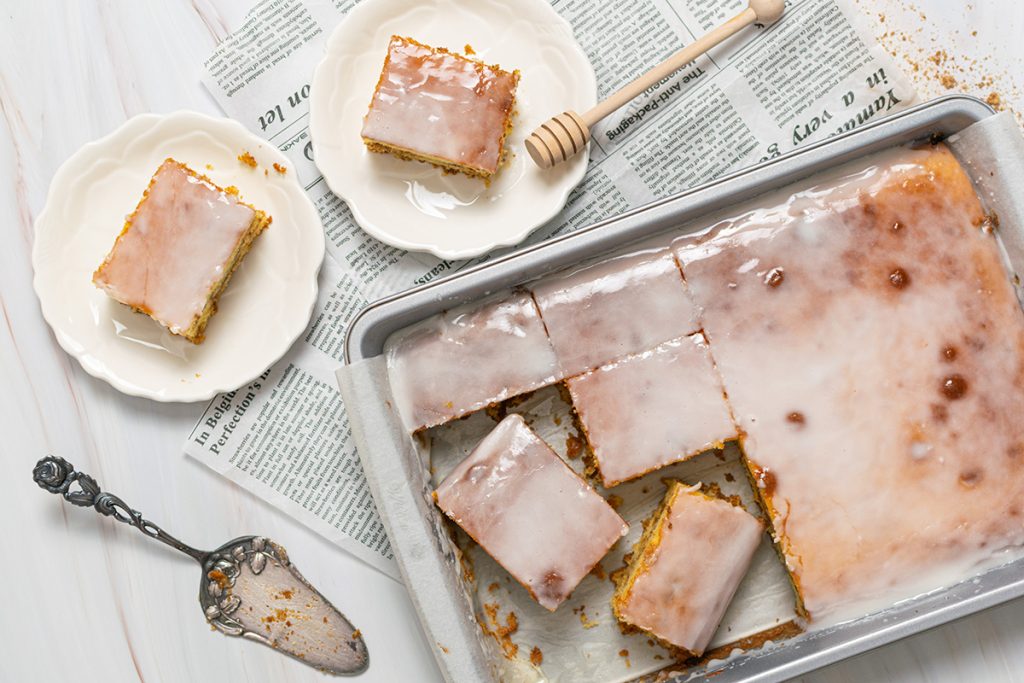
(536, 656)
(468, 49)
(994, 101)
(493, 587)
(209, 167)
(501, 633)
(280, 169)
(585, 620)
(624, 653)
(357, 634)
(247, 159)
(615, 501)
(598, 571)
(573, 446)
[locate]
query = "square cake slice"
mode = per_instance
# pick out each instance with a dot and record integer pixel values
(651, 409)
(441, 108)
(619, 306)
(686, 568)
(469, 358)
(535, 516)
(178, 249)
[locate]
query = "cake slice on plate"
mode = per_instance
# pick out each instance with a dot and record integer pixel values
(178, 249)
(535, 516)
(441, 108)
(686, 567)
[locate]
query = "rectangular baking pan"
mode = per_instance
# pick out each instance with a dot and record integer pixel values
(368, 332)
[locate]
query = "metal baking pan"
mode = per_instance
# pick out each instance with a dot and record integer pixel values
(397, 501)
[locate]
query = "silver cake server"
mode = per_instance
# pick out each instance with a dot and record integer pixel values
(249, 588)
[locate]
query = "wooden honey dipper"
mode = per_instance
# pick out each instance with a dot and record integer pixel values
(563, 136)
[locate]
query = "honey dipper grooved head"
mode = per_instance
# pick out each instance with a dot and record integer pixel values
(558, 139)
(768, 11)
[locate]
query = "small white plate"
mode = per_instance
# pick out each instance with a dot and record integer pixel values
(266, 306)
(412, 205)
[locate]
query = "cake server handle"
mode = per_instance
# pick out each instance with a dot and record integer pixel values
(58, 476)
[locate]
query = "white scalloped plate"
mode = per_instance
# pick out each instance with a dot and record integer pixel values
(414, 206)
(266, 306)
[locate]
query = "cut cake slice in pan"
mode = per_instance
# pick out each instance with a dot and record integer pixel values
(686, 567)
(535, 516)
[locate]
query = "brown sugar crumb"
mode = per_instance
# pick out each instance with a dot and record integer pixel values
(286, 594)
(357, 634)
(468, 49)
(774, 277)
(247, 159)
(536, 656)
(443, 648)
(585, 620)
(949, 353)
(573, 446)
(624, 653)
(231, 189)
(970, 477)
(280, 169)
(954, 387)
(796, 417)
(615, 501)
(765, 480)
(209, 167)
(898, 278)
(729, 477)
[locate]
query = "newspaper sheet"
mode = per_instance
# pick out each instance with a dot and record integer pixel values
(814, 74)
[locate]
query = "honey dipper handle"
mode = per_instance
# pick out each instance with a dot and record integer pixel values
(677, 61)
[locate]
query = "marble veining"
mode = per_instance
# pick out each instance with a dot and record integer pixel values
(127, 607)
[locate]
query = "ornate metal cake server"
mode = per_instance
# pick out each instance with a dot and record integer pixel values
(249, 587)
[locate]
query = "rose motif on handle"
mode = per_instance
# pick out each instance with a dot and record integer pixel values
(87, 493)
(54, 474)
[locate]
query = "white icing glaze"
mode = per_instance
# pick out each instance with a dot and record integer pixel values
(892, 466)
(530, 512)
(176, 247)
(626, 304)
(465, 359)
(705, 549)
(441, 104)
(647, 410)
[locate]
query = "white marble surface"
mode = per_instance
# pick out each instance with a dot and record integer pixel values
(92, 600)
